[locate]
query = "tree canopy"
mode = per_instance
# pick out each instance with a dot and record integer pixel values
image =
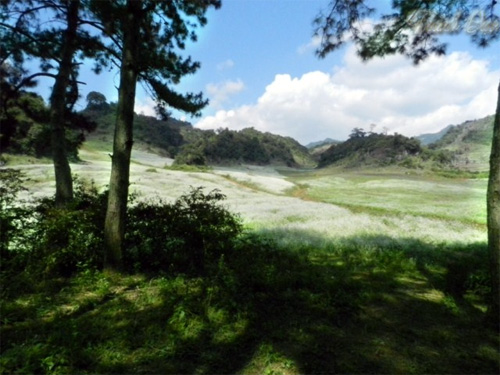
(411, 28)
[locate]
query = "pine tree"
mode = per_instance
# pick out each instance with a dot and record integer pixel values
(148, 37)
(52, 33)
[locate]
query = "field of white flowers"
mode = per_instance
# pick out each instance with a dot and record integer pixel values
(332, 206)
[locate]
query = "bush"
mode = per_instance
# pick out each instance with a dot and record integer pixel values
(13, 219)
(65, 240)
(188, 236)
(44, 241)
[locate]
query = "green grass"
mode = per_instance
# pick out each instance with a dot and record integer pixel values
(358, 305)
(424, 196)
(188, 168)
(15, 159)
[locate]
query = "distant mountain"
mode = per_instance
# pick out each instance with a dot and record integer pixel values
(470, 143)
(429, 138)
(465, 147)
(326, 141)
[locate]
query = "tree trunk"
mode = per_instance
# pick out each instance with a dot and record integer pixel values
(493, 205)
(64, 183)
(114, 227)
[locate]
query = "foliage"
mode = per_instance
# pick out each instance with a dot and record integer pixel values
(374, 149)
(246, 146)
(186, 236)
(66, 240)
(25, 126)
(11, 216)
(411, 28)
(96, 101)
(164, 135)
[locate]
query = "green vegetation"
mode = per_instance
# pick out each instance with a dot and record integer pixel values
(380, 150)
(200, 293)
(25, 126)
(246, 146)
(470, 144)
(391, 192)
(196, 147)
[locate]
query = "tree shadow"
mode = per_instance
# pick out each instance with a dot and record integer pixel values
(369, 304)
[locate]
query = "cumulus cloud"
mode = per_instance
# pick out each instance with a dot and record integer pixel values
(219, 93)
(390, 92)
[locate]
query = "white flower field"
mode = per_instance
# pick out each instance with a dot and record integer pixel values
(332, 205)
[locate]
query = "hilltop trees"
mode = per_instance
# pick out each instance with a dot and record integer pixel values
(413, 30)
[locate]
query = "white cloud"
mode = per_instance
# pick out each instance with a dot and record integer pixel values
(145, 106)
(228, 64)
(219, 93)
(311, 46)
(389, 92)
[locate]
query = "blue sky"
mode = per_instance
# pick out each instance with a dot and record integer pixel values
(258, 69)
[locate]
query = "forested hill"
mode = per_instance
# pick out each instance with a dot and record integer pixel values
(25, 130)
(191, 146)
(163, 136)
(371, 149)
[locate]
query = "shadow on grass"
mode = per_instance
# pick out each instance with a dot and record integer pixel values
(368, 304)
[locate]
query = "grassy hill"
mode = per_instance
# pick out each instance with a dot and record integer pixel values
(248, 146)
(470, 143)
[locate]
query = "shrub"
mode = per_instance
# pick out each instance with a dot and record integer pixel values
(11, 183)
(65, 240)
(187, 236)
(13, 233)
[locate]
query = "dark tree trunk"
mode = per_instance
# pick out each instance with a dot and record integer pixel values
(114, 227)
(493, 204)
(64, 183)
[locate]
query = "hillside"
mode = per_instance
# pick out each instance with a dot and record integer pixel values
(470, 143)
(324, 142)
(247, 146)
(191, 146)
(163, 136)
(375, 150)
(464, 147)
(428, 138)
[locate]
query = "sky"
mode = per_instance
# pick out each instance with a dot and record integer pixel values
(259, 69)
